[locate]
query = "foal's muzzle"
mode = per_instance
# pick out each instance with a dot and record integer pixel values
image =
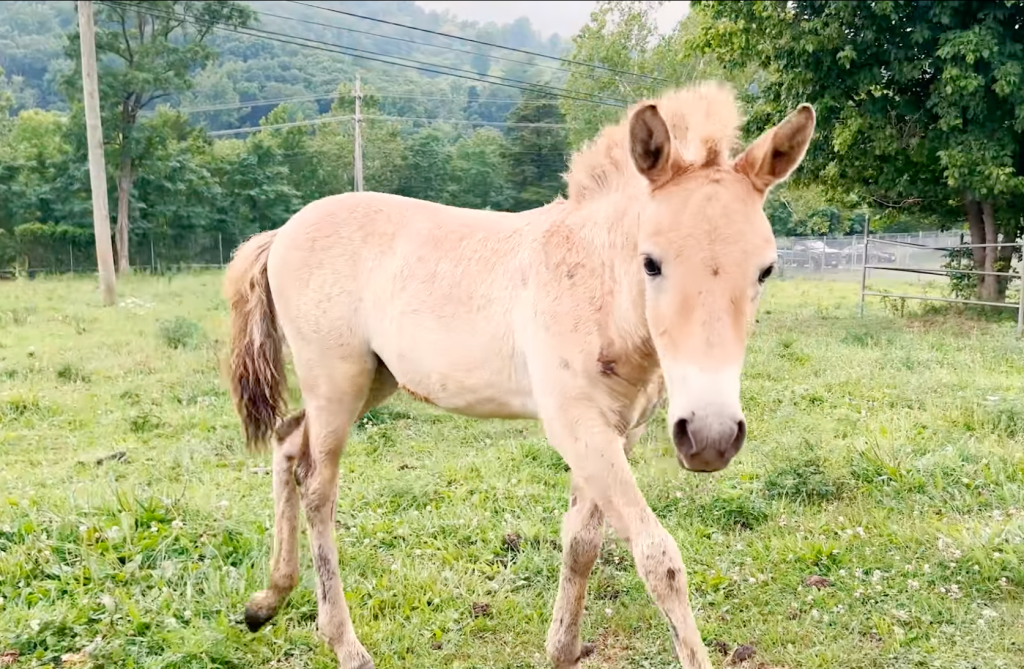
(707, 443)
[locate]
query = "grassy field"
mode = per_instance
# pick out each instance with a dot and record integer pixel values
(886, 455)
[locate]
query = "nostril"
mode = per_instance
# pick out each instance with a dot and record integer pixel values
(741, 435)
(681, 437)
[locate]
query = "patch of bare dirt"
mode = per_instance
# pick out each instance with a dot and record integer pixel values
(819, 582)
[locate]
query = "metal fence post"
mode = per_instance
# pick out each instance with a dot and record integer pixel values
(71, 255)
(864, 263)
(220, 246)
(1020, 295)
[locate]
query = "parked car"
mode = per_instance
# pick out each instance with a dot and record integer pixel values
(876, 256)
(815, 254)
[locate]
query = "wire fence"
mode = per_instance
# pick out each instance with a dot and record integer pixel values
(150, 254)
(832, 258)
(842, 258)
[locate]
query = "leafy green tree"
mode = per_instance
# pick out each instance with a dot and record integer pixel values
(920, 104)
(426, 170)
(34, 155)
(6, 99)
(479, 171)
(146, 51)
(624, 36)
(618, 35)
(255, 183)
(175, 196)
(536, 150)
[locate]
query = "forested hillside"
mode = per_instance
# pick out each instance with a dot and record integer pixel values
(302, 50)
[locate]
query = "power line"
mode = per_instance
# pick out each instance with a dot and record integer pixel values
(489, 44)
(404, 39)
(348, 117)
(276, 37)
(312, 98)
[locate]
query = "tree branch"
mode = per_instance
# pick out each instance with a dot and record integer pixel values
(894, 205)
(153, 97)
(127, 41)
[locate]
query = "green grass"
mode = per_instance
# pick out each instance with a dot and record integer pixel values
(885, 454)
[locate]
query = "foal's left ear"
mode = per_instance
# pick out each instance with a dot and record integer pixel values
(774, 155)
(650, 144)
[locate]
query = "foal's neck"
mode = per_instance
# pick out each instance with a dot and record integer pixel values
(609, 228)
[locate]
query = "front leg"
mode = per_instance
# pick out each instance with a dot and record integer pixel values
(580, 431)
(581, 545)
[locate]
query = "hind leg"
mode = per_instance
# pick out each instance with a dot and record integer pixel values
(335, 396)
(290, 439)
(290, 442)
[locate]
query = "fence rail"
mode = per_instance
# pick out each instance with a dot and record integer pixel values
(868, 240)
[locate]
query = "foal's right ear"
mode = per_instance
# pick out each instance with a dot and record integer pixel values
(773, 156)
(650, 144)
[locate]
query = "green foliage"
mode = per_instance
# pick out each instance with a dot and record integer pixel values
(47, 246)
(479, 164)
(249, 69)
(8, 249)
(6, 98)
(192, 198)
(624, 36)
(536, 148)
(180, 333)
(919, 104)
(426, 166)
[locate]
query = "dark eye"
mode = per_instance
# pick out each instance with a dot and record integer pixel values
(765, 273)
(651, 266)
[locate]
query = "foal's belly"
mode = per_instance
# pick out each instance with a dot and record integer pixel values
(478, 376)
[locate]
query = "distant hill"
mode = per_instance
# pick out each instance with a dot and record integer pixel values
(257, 68)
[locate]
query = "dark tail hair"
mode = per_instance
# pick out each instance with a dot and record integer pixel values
(257, 374)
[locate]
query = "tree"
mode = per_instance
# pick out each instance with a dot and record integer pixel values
(425, 174)
(175, 196)
(6, 99)
(619, 35)
(147, 52)
(479, 172)
(920, 105)
(536, 150)
(624, 36)
(37, 150)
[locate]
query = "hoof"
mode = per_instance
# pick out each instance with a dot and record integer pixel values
(256, 618)
(365, 663)
(586, 650)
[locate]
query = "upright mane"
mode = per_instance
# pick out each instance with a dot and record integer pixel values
(704, 120)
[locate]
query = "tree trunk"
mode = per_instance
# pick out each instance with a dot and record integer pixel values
(1004, 263)
(977, 227)
(125, 180)
(124, 191)
(989, 284)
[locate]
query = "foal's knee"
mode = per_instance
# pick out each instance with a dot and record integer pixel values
(659, 563)
(581, 538)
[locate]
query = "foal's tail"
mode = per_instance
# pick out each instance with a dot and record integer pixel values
(257, 373)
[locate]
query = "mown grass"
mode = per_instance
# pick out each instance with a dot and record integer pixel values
(885, 455)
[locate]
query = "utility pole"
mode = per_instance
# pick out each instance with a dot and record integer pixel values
(97, 165)
(358, 167)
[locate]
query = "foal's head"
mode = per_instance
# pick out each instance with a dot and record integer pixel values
(707, 248)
